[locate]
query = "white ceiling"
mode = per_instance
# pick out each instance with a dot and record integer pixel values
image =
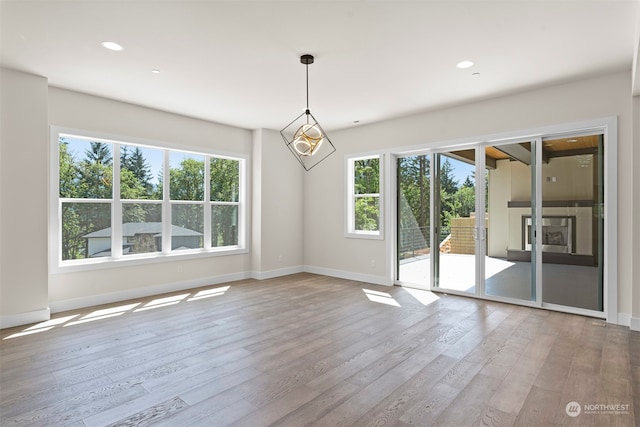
(237, 62)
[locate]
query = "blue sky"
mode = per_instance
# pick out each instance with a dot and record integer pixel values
(461, 170)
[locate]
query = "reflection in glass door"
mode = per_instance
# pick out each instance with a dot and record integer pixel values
(414, 201)
(509, 263)
(571, 233)
(454, 203)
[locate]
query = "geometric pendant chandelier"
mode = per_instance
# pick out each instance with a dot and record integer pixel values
(304, 136)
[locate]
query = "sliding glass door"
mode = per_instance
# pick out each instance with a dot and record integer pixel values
(455, 229)
(519, 221)
(509, 260)
(413, 259)
(571, 232)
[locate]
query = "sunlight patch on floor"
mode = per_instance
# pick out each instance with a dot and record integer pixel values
(112, 310)
(47, 325)
(381, 297)
(106, 313)
(93, 319)
(162, 302)
(424, 297)
(494, 266)
(52, 322)
(207, 293)
(27, 332)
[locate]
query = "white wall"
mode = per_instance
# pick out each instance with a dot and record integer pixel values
(278, 222)
(635, 320)
(23, 198)
(86, 112)
(326, 249)
(500, 194)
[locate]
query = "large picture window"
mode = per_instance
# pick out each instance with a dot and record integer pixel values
(119, 200)
(364, 212)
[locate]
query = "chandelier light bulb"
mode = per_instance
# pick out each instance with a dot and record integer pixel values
(308, 139)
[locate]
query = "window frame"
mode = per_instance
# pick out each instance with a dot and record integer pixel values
(351, 196)
(117, 259)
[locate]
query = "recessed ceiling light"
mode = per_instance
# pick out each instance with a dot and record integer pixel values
(475, 74)
(155, 71)
(465, 64)
(572, 140)
(112, 46)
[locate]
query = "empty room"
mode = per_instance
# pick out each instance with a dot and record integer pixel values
(329, 213)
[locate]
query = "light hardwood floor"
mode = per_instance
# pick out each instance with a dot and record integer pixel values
(312, 350)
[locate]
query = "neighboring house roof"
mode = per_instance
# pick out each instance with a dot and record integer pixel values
(133, 228)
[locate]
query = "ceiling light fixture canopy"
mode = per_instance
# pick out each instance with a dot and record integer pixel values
(304, 136)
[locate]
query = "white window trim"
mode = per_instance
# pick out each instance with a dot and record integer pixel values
(56, 265)
(349, 230)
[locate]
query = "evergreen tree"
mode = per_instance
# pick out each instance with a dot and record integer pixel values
(468, 182)
(448, 182)
(96, 171)
(140, 168)
(135, 175)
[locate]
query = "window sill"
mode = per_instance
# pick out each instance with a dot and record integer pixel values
(377, 235)
(129, 261)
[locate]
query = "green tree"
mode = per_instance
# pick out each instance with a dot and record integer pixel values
(463, 202)
(186, 182)
(448, 183)
(96, 172)
(366, 181)
(448, 204)
(225, 179)
(468, 182)
(68, 188)
(366, 176)
(68, 171)
(414, 183)
(139, 181)
(140, 168)
(224, 187)
(89, 178)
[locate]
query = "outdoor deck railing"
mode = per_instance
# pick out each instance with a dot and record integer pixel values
(415, 240)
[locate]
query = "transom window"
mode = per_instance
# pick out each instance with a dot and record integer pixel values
(122, 200)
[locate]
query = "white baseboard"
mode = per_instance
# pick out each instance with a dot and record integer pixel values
(263, 275)
(624, 319)
(19, 319)
(89, 301)
(634, 324)
(349, 275)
